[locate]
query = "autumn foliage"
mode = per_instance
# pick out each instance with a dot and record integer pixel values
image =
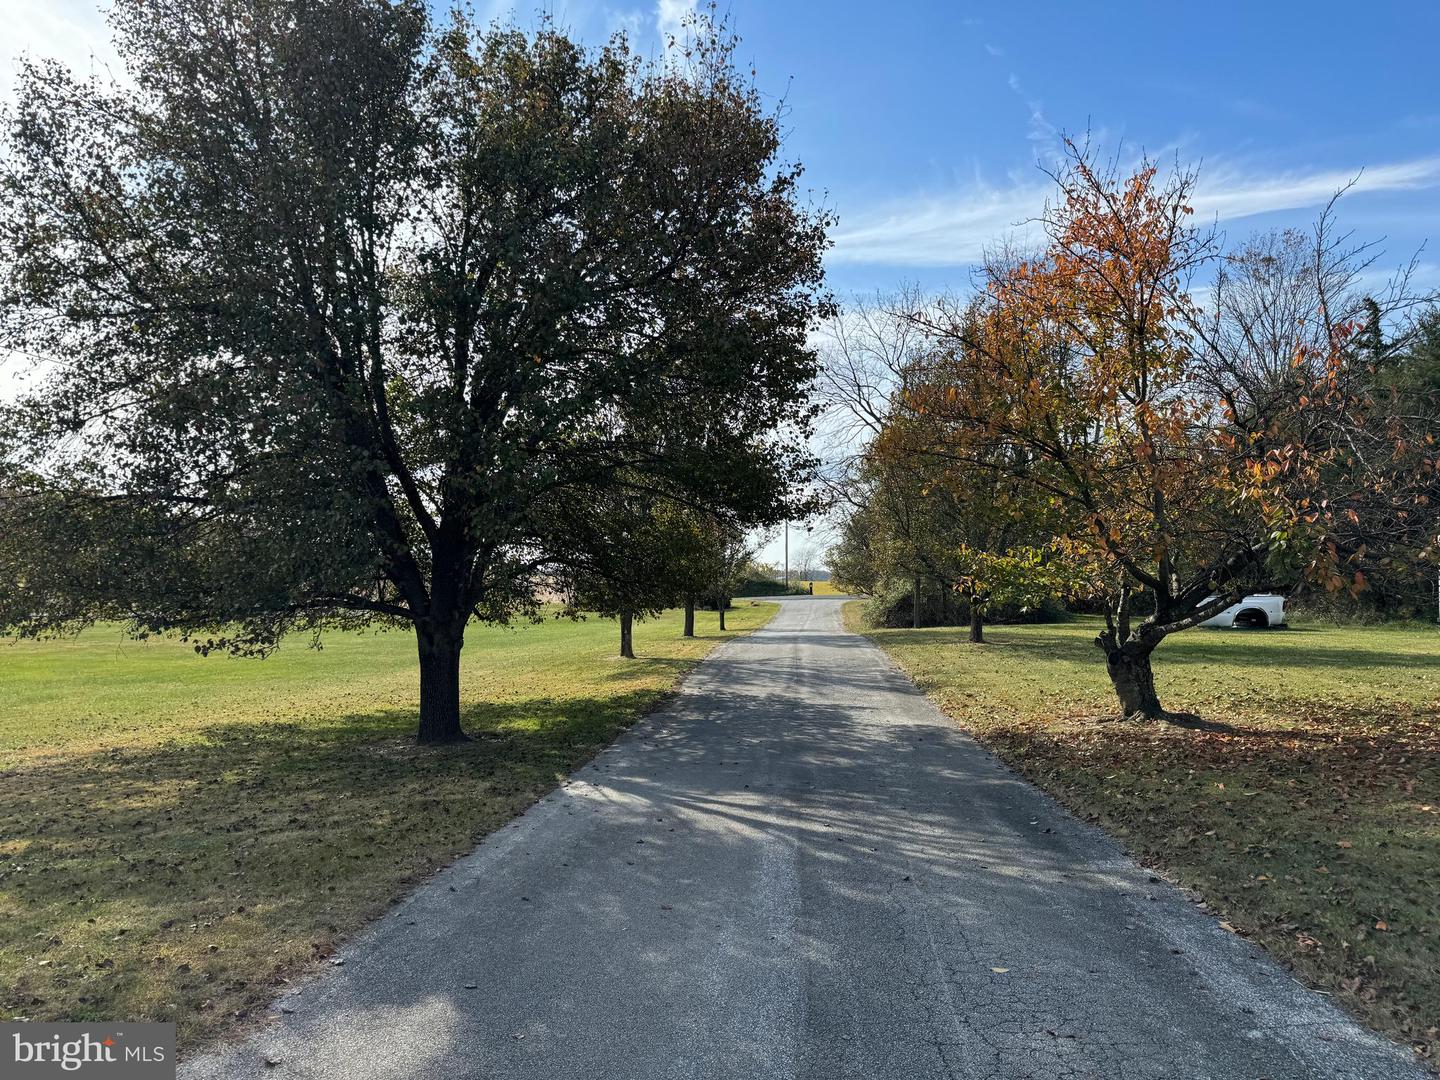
(1186, 459)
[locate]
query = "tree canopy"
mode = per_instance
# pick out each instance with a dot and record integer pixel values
(336, 298)
(919, 513)
(1185, 450)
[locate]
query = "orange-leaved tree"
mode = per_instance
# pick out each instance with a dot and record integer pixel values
(1095, 376)
(987, 534)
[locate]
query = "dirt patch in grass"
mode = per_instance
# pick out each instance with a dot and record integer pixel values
(216, 849)
(1313, 826)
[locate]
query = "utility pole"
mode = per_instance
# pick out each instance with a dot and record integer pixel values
(787, 554)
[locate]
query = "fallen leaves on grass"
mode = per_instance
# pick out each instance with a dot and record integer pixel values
(184, 873)
(1314, 811)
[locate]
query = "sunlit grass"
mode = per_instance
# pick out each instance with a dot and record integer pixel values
(180, 834)
(1313, 826)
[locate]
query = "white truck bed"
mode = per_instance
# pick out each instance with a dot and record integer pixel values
(1255, 612)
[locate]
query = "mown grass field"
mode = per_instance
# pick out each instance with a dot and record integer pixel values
(178, 835)
(1313, 826)
(821, 588)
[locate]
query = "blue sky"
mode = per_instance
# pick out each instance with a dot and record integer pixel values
(927, 124)
(923, 125)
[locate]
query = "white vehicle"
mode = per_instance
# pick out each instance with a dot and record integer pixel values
(1254, 612)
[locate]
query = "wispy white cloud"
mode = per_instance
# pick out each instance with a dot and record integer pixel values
(71, 31)
(939, 230)
(670, 18)
(634, 23)
(1042, 133)
(1227, 195)
(955, 228)
(994, 50)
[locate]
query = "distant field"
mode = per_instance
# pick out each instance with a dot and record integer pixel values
(1314, 827)
(180, 834)
(822, 588)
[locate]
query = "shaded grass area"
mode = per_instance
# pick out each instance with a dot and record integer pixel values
(180, 835)
(1313, 827)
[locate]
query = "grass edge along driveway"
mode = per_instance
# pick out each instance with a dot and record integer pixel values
(1313, 828)
(180, 836)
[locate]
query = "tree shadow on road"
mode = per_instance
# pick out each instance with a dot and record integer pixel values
(266, 841)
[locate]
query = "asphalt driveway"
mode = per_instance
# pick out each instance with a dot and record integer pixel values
(800, 869)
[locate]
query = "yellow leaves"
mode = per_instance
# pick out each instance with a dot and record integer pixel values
(1381, 924)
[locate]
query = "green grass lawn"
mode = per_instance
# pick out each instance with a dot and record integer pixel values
(1313, 827)
(179, 835)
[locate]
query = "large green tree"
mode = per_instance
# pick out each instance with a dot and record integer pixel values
(617, 558)
(628, 554)
(333, 300)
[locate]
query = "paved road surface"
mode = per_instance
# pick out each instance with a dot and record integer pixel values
(799, 869)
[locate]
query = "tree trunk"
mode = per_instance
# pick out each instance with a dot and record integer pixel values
(915, 607)
(689, 616)
(977, 624)
(721, 607)
(439, 685)
(627, 635)
(1133, 680)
